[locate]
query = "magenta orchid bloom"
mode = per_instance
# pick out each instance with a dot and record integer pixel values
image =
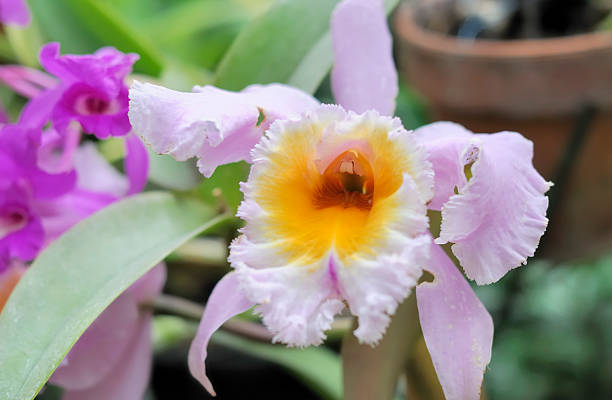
(336, 204)
(14, 12)
(90, 95)
(24, 186)
(91, 91)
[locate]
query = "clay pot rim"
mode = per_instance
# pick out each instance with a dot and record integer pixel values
(558, 47)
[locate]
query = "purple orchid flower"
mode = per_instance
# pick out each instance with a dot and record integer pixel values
(24, 185)
(91, 91)
(14, 12)
(336, 204)
(90, 95)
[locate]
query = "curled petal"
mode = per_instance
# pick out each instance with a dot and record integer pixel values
(14, 11)
(364, 76)
(457, 328)
(214, 125)
(498, 215)
(225, 301)
(136, 163)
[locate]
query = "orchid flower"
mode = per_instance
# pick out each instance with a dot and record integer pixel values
(23, 187)
(91, 91)
(336, 204)
(90, 95)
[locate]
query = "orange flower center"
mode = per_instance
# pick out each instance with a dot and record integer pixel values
(348, 181)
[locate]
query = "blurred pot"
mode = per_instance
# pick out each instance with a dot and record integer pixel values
(538, 87)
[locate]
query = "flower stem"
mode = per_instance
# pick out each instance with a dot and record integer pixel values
(173, 305)
(167, 304)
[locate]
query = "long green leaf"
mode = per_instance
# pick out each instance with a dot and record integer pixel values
(80, 274)
(271, 47)
(290, 44)
(83, 26)
(105, 23)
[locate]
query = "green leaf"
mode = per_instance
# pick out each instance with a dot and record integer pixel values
(105, 23)
(74, 279)
(410, 108)
(59, 23)
(225, 181)
(272, 47)
(372, 372)
(188, 18)
(83, 26)
(318, 367)
(290, 44)
(169, 173)
(25, 43)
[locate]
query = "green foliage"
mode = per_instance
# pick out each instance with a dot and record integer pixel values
(82, 272)
(557, 340)
(223, 186)
(83, 26)
(272, 47)
(289, 44)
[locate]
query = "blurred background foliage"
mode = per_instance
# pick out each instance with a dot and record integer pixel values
(553, 322)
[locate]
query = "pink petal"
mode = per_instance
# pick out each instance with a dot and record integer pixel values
(61, 214)
(112, 359)
(95, 174)
(498, 216)
(297, 303)
(14, 11)
(26, 81)
(364, 76)
(457, 328)
(37, 111)
(214, 125)
(225, 301)
(136, 163)
(373, 288)
(100, 348)
(129, 377)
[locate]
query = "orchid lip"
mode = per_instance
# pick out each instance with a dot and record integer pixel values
(347, 181)
(90, 105)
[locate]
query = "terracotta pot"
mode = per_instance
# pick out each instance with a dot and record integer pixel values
(539, 88)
